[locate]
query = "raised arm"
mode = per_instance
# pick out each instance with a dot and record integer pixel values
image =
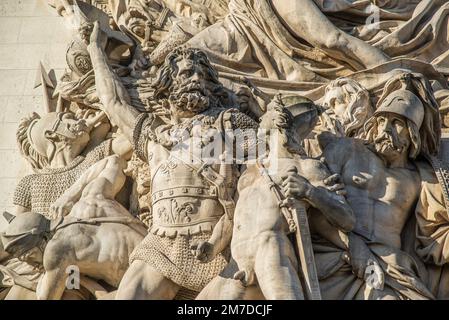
(109, 88)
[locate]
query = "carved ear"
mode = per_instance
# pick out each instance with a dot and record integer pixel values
(8, 217)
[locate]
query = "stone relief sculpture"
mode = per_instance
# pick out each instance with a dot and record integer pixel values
(180, 217)
(347, 106)
(57, 145)
(261, 243)
(88, 213)
(238, 149)
(401, 129)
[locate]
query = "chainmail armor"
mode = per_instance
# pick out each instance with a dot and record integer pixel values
(141, 134)
(39, 191)
(240, 120)
(172, 257)
(22, 194)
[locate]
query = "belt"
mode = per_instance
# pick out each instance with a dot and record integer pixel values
(185, 191)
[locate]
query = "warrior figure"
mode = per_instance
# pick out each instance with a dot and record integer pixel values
(189, 198)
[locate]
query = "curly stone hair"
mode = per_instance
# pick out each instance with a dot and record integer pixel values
(359, 107)
(166, 75)
(278, 117)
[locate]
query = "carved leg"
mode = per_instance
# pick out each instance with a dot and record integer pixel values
(58, 256)
(306, 21)
(221, 288)
(275, 270)
(52, 285)
(224, 287)
(20, 293)
(142, 282)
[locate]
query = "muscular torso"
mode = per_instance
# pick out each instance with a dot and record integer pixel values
(257, 210)
(381, 197)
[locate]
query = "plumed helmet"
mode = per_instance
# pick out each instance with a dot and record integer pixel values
(404, 103)
(36, 131)
(24, 232)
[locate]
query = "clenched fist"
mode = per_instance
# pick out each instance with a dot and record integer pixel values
(296, 186)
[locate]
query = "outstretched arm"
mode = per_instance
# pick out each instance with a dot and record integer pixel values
(110, 90)
(306, 21)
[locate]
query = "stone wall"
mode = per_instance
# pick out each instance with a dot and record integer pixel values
(30, 31)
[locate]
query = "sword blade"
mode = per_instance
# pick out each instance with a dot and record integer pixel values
(305, 250)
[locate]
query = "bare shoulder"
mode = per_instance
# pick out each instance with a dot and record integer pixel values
(328, 140)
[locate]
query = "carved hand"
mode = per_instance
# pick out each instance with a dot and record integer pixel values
(364, 264)
(295, 186)
(61, 207)
(203, 251)
(335, 184)
(248, 102)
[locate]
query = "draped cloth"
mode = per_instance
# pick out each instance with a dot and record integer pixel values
(432, 231)
(253, 42)
(413, 28)
(404, 277)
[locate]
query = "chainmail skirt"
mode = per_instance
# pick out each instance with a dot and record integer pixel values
(173, 258)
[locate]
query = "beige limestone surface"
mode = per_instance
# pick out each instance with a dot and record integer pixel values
(30, 31)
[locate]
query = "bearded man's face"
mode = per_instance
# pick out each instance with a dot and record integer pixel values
(337, 101)
(393, 138)
(189, 93)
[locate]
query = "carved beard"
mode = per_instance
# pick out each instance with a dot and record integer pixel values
(389, 147)
(190, 97)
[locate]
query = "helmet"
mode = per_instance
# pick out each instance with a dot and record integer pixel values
(24, 232)
(305, 113)
(404, 103)
(78, 58)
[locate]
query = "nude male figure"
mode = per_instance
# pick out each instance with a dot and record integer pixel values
(383, 184)
(263, 255)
